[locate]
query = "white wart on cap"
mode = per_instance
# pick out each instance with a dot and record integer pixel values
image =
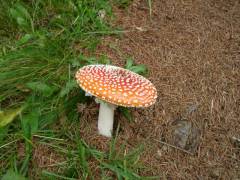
(117, 85)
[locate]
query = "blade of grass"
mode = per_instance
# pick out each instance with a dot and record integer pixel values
(51, 174)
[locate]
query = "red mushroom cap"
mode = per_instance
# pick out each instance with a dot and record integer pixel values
(117, 85)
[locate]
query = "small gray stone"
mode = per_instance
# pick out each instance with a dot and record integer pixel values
(186, 135)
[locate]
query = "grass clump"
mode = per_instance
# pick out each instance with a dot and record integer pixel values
(42, 45)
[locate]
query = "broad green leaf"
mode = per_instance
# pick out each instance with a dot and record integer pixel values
(30, 123)
(8, 116)
(42, 88)
(129, 63)
(69, 86)
(19, 11)
(25, 39)
(21, 15)
(22, 22)
(23, 11)
(139, 69)
(14, 13)
(11, 175)
(126, 113)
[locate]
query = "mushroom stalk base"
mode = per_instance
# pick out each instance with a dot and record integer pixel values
(105, 119)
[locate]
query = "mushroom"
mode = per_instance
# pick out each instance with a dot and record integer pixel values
(114, 86)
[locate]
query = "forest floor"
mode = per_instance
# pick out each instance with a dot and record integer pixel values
(191, 49)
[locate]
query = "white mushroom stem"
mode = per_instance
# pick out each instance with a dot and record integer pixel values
(106, 118)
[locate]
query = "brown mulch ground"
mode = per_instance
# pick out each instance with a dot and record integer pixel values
(192, 50)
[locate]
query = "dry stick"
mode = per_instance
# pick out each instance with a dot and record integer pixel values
(236, 139)
(175, 147)
(8, 143)
(131, 29)
(53, 165)
(47, 137)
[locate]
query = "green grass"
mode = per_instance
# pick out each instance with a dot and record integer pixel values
(42, 44)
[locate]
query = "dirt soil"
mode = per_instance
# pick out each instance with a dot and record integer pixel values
(192, 51)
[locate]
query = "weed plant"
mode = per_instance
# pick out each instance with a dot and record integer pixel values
(42, 44)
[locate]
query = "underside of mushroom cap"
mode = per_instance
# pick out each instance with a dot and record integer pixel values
(117, 85)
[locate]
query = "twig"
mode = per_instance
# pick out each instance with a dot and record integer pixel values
(175, 147)
(55, 164)
(131, 29)
(8, 143)
(236, 139)
(47, 137)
